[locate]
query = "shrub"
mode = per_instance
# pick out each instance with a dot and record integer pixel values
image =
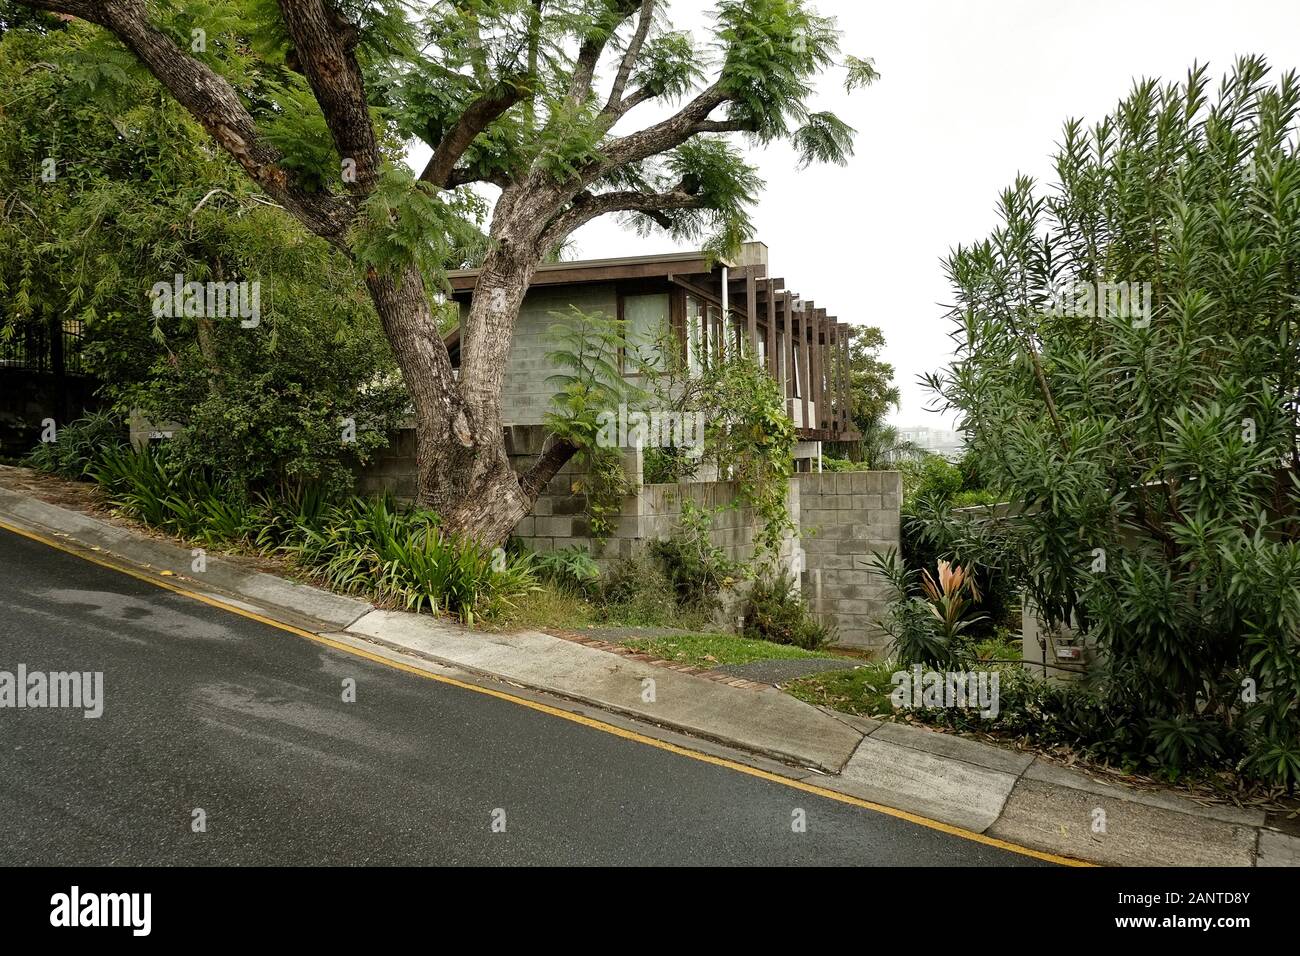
(152, 487)
(698, 570)
(361, 546)
(636, 591)
(909, 622)
(1126, 372)
(79, 444)
(929, 621)
(570, 569)
(774, 610)
(663, 466)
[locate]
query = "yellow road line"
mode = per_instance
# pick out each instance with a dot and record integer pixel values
(555, 711)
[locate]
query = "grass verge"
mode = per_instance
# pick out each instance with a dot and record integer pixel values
(715, 650)
(863, 691)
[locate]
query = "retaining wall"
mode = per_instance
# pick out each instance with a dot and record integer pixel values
(842, 520)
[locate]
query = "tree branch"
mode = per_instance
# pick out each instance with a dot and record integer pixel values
(587, 206)
(213, 102)
(615, 104)
(548, 464)
(326, 46)
(660, 137)
(475, 118)
(461, 176)
(593, 45)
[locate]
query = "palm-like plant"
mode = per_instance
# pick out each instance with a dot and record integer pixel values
(952, 599)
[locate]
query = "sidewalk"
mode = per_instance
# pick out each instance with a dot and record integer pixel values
(1008, 796)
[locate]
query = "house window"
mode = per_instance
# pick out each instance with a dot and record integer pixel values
(645, 317)
(797, 383)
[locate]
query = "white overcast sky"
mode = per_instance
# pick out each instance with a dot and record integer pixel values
(972, 92)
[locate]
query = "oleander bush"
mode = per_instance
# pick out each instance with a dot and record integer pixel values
(1127, 370)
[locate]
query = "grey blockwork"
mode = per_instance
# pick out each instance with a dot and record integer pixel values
(525, 392)
(842, 519)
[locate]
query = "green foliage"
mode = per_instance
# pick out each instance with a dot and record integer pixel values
(933, 487)
(723, 184)
(669, 465)
(668, 66)
(636, 591)
(774, 610)
(586, 347)
(717, 650)
(872, 396)
(772, 49)
(860, 72)
(78, 445)
(1151, 456)
(748, 433)
(912, 623)
(141, 196)
(571, 569)
(824, 138)
(360, 546)
(407, 223)
(697, 569)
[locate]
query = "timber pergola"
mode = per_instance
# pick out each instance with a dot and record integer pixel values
(799, 344)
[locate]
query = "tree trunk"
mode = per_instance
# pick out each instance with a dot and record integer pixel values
(463, 471)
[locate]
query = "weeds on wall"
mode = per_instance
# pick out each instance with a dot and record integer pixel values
(748, 433)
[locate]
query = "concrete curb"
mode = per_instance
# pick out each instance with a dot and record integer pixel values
(765, 722)
(1005, 795)
(304, 605)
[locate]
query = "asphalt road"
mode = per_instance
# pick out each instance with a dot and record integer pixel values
(207, 710)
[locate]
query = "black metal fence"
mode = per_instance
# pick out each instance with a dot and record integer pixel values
(53, 347)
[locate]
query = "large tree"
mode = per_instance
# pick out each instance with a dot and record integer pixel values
(529, 96)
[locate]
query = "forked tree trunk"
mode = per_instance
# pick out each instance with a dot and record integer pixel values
(463, 471)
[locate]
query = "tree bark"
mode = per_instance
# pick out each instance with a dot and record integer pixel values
(463, 471)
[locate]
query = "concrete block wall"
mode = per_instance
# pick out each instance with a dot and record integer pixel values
(842, 519)
(845, 519)
(394, 470)
(559, 517)
(526, 394)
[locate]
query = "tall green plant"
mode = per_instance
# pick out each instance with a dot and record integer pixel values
(1128, 372)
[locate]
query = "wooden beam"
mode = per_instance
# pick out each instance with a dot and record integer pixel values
(788, 352)
(814, 363)
(837, 374)
(805, 368)
(751, 312)
(563, 273)
(823, 392)
(773, 339)
(846, 336)
(832, 379)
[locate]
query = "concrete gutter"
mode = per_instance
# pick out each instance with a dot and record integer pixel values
(1005, 795)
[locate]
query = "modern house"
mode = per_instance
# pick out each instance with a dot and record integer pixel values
(713, 305)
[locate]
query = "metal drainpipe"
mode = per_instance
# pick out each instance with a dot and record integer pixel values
(819, 458)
